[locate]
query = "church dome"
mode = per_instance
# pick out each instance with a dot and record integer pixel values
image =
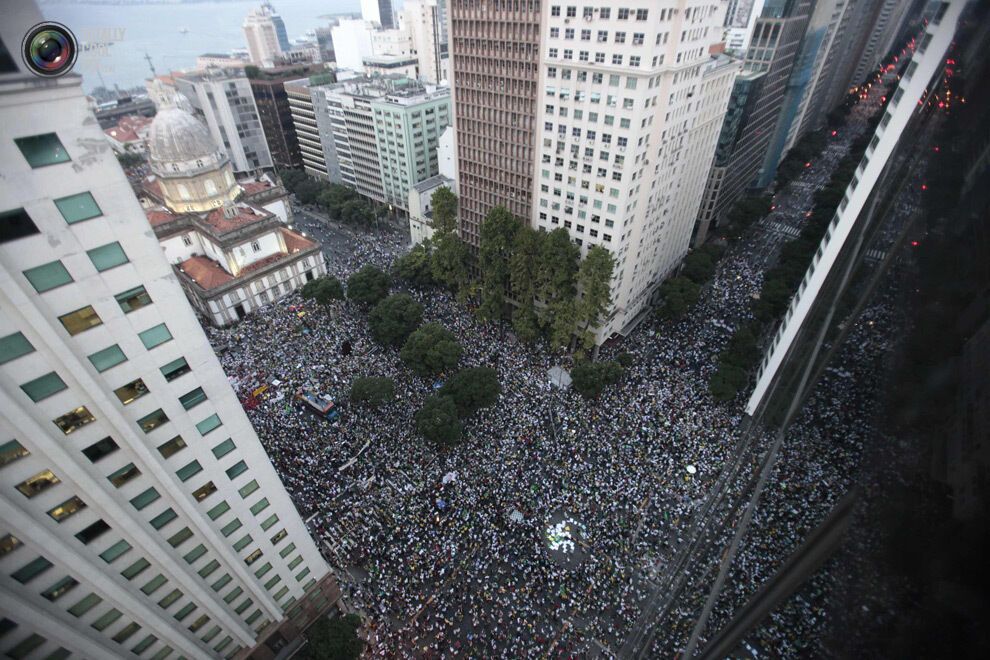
(178, 137)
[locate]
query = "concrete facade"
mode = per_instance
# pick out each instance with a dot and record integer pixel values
(141, 514)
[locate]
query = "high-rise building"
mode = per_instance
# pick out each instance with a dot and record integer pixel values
(424, 19)
(739, 22)
(140, 513)
(324, 40)
(815, 54)
(352, 41)
(772, 50)
(224, 100)
(495, 62)
(408, 124)
(265, 35)
(275, 113)
(890, 17)
(628, 99)
(380, 12)
(307, 129)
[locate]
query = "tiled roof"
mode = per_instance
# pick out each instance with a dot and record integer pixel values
(252, 187)
(159, 216)
(246, 215)
(205, 272)
(296, 243)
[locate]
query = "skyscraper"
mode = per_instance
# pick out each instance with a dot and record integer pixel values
(265, 35)
(380, 12)
(628, 97)
(224, 100)
(424, 19)
(141, 513)
(494, 60)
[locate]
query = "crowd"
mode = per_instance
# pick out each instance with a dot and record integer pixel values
(445, 552)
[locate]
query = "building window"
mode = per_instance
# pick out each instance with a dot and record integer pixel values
(170, 599)
(259, 506)
(209, 424)
(256, 246)
(14, 346)
(204, 491)
(108, 357)
(224, 448)
(107, 256)
(195, 553)
(186, 472)
(623, 14)
(80, 320)
(186, 240)
(31, 570)
(74, 419)
(242, 543)
(231, 527)
(131, 391)
(115, 551)
(60, 588)
(248, 488)
(11, 451)
(93, 532)
(76, 208)
(253, 557)
(152, 421)
(236, 470)
(641, 14)
(218, 510)
(172, 447)
(155, 336)
(85, 605)
(107, 619)
(100, 449)
(193, 398)
(180, 537)
(175, 368)
(42, 150)
(133, 299)
(144, 499)
(124, 474)
(67, 508)
(16, 224)
(136, 568)
(44, 386)
(48, 276)
(163, 518)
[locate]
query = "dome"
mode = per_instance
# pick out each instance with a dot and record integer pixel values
(176, 137)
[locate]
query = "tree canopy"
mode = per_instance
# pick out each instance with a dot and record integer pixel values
(415, 266)
(372, 390)
(437, 421)
(430, 350)
(595, 281)
(589, 379)
(392, 320)
(472, 389)
(368, 286)
(335, 639)
(498, 233)
(679, 294)
(444, 203)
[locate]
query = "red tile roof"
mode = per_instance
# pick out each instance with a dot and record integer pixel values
(207, 273)
(246, 215)
(153, 186)
(159, 216)
(294, 242)
(252, 187)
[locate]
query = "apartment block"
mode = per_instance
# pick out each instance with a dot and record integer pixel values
(141, 514)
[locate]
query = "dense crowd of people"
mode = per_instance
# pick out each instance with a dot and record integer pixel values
(445, 552)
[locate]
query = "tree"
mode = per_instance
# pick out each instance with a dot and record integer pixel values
(523, 269)
(368, 286)
(498, 233)
(449, 262)
(590, 379)
(472, 389)
(558, 266)
(431, 350)
(563, 321)
(444, 204)
(393, 319)
(373, 391)
(726, 382)
(415, 266)
(437, 421)
(679, 294)
(625, 359)
(130, 159)
(335, 639)
(698, 267)
(328, 289)
(713, 250)
(595, 280)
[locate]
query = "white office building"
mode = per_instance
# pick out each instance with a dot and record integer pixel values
(223, 99)
(352, 42)
(140, 514)
(424, 20)
(264, 33)
(632, 104)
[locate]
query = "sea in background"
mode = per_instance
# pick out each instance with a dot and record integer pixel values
(157, 29)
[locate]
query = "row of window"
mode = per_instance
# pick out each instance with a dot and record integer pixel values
(605, 13)
(584, 56)
(638, 38)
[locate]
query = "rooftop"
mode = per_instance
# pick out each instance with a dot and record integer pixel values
(433, 182)
(244, 215)
(205, 272)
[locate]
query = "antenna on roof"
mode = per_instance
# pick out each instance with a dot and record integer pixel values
(150, 64)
